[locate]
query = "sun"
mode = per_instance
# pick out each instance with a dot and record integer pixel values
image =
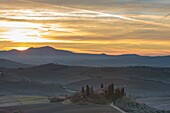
(21, 48)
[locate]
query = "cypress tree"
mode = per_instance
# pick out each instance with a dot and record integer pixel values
(87, 90)
(82, 90)
(112, 88)
(117, 93)
(91, 90)
(102, 86)
(122, 92)
(109, 91)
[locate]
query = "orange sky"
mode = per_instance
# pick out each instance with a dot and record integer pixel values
(89, 27)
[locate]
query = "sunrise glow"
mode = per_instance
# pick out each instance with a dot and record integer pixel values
(21, 48)
(91, 29)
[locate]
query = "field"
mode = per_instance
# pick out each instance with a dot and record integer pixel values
(63, 108)
(30, 86)
(157, 102)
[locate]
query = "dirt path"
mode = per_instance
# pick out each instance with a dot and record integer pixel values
(115, 107)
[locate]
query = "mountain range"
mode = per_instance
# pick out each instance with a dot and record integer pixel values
(44, 55)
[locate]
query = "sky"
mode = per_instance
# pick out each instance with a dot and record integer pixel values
(112, 27)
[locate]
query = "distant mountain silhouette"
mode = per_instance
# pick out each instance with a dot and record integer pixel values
(47, 50)
(47, 54)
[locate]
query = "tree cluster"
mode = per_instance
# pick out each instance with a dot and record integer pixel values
(87, 91)
(114, 94)
(110, 92)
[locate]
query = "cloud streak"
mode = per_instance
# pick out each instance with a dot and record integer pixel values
(82, 29)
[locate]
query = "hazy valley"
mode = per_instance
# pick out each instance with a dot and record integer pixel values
(29, 84)
(44, 55)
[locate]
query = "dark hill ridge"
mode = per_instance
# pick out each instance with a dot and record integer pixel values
(138, 72)
(11, 64)
(50, 66)
(44, 55)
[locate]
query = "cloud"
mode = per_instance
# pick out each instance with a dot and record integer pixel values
(122, 26)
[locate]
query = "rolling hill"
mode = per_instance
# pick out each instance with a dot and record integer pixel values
(44, 78)
(11, 64)
(52, 79)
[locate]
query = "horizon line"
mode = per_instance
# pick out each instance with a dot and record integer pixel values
(84, 52)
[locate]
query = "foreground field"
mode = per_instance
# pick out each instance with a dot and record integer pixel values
(63, 108)
(18, 100)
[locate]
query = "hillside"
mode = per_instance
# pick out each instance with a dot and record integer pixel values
(11, 64)
(152, 81)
